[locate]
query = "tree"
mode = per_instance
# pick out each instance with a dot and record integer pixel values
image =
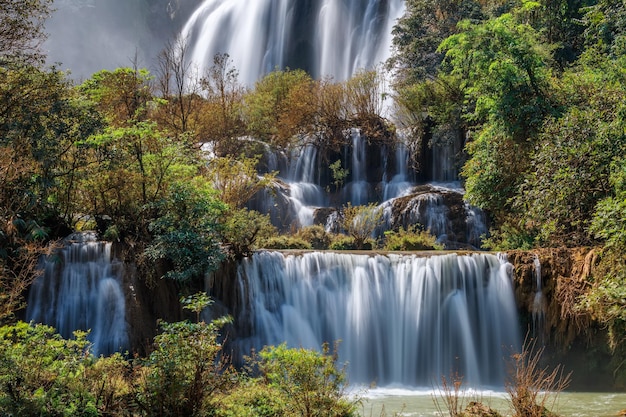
(122, 95)
(360, 222)
(131, 168)
(310, 381)
(506, 80)
(22, 29)
(416, 36)
(506, 71)
(186, 231)
(222, 121)
(184, 371)
(179, 86)
(41, 119)
(236, 179)
(281, 107)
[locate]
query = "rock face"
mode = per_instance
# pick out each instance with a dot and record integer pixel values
(548, 283)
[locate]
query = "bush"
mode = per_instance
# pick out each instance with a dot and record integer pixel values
(252, 398)
(342, 242)
(360, 222)
(186, 231)
(411, 239)
(316, 236)
(41, 374)
(285, 242)
(184, 371)
(309, 381)
(245, 230)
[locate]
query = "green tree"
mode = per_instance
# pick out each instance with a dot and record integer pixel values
(507, 82)
(41, 118)
(22, 29)
(122, 95)
(244, 230)
(310, 381)
(184, 371)
(186, 231)
(281, 107)
(42, 374)
(418, 33)
(129, 169)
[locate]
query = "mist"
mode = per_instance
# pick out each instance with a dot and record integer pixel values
(86, 36)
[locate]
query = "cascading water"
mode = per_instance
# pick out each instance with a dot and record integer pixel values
(539, 303)
(324, 37)
(400, 319)
(80, 289)
(357, 191)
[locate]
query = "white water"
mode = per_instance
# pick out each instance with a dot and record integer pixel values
(539, 303)
(401, 319)
(325, 37)
(422, 403)
(80, 289)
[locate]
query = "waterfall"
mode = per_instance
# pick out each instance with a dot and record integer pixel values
(539, 304)
(324, 37)
(80, 289)
(401, 319)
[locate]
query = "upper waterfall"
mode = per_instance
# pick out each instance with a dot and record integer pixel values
(324, 37)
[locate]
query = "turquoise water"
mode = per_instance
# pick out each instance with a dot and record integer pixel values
(401, 402)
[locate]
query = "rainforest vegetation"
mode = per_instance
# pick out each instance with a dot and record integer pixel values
(535, 91)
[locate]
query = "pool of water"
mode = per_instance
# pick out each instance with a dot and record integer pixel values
(389, 402)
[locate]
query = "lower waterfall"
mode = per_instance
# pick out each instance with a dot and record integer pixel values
(400, 319)
(80, 289)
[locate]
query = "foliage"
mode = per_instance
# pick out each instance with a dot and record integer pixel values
(338, 173)
(505, 67)
(411, 238)
(360, 222)
(186, 231)
(196, 303)
(575, 155)
(22, 29)
(605, 300)
(43, 374)
(342, 242)
(316, 236)
(310, 381)
(252, 398)
(281, 107)
(425, 24)
(285, 242)
(245, 230)
(508, 236)
(236, 179)
(122, 95)
(184, 370)
(223, 109)
(609, 222)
